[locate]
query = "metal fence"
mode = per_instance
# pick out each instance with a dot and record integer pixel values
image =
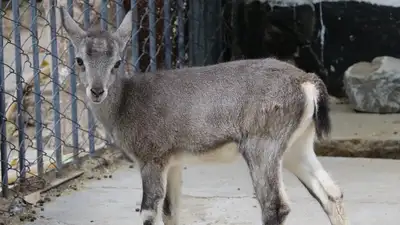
(44, 123)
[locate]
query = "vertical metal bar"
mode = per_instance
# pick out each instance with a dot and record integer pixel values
(91, 121)
(3, 141)
(104, 15)
(213, 15)
(19, 80)
(74, 105)
(196, 51)
(219, 15)
(104, 27)
(86, 14)
(153, 34)
(92, 130)
(120, 16)
(207, 14)
(56, 86)
(181, 34)
(208, 30)
(37, 91)
(233, 18)
(120, 11)
(200, 54)
(190, 21)
(135, 46)
(167, 35)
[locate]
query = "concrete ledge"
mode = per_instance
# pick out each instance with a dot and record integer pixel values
(361, 134)
(386, 149)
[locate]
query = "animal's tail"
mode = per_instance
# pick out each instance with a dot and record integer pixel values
(321, 115)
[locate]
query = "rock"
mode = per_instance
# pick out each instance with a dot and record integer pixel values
(374, 87)
(33, 198)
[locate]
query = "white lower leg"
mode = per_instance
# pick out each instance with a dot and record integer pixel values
(174, 184)
(301, 160)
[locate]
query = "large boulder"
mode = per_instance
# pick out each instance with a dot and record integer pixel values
(374, 87)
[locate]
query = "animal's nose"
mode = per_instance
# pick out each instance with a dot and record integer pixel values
(97, 91)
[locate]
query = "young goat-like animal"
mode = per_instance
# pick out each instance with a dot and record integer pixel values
(266, 110)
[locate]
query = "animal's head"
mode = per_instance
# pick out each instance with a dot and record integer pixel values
(98, 54)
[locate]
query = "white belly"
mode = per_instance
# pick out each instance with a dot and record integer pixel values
(225, 154)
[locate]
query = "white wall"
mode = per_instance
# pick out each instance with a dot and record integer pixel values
(394, 3)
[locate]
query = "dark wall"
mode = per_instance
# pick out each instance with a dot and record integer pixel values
(355, 31)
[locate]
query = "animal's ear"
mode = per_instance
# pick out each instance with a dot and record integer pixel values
(124, 32)
(74, 31)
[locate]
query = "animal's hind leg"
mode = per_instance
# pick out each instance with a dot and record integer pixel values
(172, 197)
(301, 160)
(263, 158)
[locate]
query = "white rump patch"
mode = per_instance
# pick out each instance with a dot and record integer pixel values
(311, 95)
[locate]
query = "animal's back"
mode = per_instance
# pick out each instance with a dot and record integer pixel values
(201, 108)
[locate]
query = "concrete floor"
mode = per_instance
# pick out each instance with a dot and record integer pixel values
(222, 194)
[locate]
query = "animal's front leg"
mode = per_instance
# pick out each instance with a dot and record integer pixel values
(154, 189)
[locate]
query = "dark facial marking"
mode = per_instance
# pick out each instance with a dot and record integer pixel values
(79, 61)
(117, 64)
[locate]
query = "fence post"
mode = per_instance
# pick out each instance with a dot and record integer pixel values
(56, 86)
(181, 34)
(19, 80)
(37, 91)
(167, 34)
(153, 35)
(74, 105)
(196, 33)
(135, 46)
(233, 20)
(104, 15)
(213, 31)
(91, 121)
(3, 123)
(120, 16)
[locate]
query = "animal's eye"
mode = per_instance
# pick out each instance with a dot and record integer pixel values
(79, 61)
(117, 64)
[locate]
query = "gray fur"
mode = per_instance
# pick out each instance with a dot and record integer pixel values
(154, 117)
